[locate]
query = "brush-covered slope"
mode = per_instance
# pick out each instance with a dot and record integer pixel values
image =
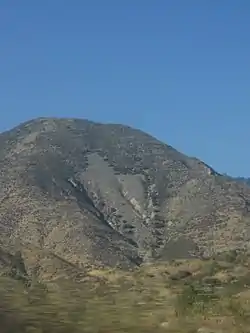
(88, 193)
(181, 296)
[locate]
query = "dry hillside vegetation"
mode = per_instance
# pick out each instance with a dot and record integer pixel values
(195, 296)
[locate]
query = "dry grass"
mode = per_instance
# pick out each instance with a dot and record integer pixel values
(178, 296)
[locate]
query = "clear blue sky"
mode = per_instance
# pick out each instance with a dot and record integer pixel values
(179, 69)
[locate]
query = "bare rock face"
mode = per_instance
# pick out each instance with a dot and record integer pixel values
(88, 193)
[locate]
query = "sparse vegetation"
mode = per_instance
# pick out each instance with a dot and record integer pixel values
(140, 301)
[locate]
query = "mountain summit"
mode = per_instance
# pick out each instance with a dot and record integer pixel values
(89, 193)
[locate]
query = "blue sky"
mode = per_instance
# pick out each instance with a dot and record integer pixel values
(177, 69)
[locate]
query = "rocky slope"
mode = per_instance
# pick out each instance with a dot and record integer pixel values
(75, 193)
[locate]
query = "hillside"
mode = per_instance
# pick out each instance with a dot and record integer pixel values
(181, 296)
(76, 194)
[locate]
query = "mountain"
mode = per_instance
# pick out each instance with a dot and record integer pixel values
(76, 193)
(244, 180)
